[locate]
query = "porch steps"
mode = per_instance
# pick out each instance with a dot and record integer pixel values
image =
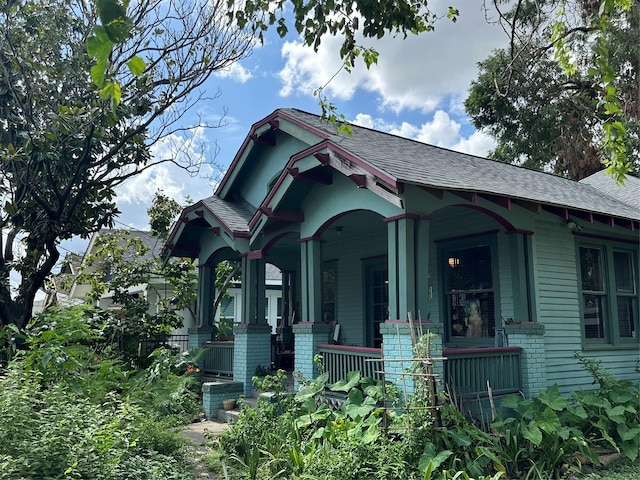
(231, 416)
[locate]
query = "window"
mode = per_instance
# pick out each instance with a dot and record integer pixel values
(469, 294)
(329, 290)
(227, 305)
(609, 294)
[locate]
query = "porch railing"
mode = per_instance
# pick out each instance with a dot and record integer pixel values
(218, 359)
(340, 360)
(466, 371)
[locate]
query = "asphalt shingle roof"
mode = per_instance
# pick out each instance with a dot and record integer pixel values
(233, 214)
(413, 162)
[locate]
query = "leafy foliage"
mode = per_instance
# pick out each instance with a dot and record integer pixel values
(72, 133)
(537, 438)
(611, 416)
(316, 435)
(69, 409)
(313, 19)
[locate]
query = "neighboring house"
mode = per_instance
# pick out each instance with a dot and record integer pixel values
(68, 291)
(230, 308)
(153, 292)
(512, 270)
(58, 289)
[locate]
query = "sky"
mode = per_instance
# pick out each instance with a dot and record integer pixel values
(416, 90)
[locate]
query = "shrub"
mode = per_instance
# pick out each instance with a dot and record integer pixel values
(611, 414)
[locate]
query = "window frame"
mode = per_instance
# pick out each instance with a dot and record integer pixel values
(610, 295)
(445, 248)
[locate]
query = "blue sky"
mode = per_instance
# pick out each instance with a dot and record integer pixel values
(417, 90)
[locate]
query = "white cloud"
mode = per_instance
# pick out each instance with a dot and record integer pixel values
(235, 72)
(135, 195)
(441, 131)
(416, 73)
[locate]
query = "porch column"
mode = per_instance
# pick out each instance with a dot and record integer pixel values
(521, 282)
(423, 280)
(530, 336)
(398, 351)
(252, 337)
(253, 290)
(307, 336)
(310, 332)
(205, 315)
(402, 266)
(311, 273)
(206, 294)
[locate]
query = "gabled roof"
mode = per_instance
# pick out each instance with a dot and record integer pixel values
(390, 161)
(413, 162)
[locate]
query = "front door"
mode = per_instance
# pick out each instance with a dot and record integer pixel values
(376, 301)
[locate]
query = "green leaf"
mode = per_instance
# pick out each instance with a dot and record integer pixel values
(552, 398)
(99, 45)
(136, 66)
(119, 30)
(98, 73)
(532, 433)
(344, 385)
(111, 91)
(109, 10)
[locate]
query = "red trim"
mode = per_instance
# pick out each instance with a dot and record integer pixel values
(421, 322)
(402, 216)
(323, 158)
(346, 348)
(451, 352)
(255, 254)
(498, 218)
(308, 239)
(359, 179)
(271, 242)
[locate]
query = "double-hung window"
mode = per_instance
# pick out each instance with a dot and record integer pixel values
(608, 280)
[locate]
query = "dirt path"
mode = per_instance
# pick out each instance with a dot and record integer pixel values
(196, 433)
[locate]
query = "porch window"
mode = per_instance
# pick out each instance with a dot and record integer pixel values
(469, 294)
(609, 294)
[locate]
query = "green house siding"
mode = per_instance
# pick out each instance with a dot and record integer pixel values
(264, 165)
(556, 286)
(350, 250)
(556, 274)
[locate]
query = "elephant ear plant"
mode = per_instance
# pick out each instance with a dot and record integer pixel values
(538, 438)
(612, 413)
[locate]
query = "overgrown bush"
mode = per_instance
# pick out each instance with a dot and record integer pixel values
(611, 416)
(70, 409)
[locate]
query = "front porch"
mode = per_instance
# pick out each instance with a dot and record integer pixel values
(466, 374)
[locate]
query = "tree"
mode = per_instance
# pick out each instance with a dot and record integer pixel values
(66, 143)
(86, 92)
(565, 95)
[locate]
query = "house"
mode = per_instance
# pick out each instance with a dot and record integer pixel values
(511, 271)
(69, 290)
(76, 290)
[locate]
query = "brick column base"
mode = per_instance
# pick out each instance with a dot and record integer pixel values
(530, 336)
(307, 336)
(397, 345)
(252, 347)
